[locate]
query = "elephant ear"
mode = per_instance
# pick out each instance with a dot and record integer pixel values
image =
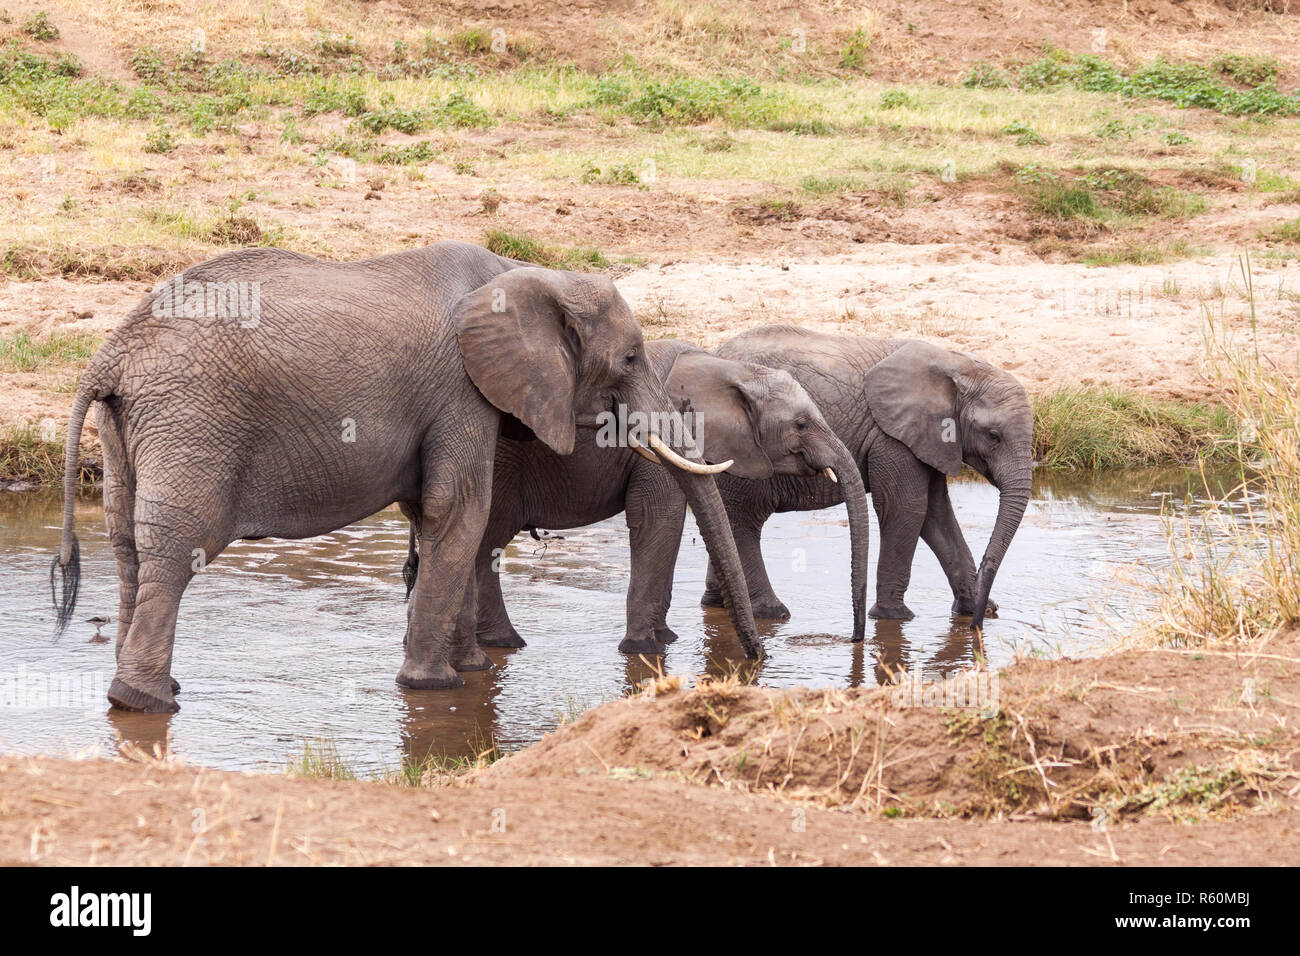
(912, 394)
(725, 423)
(520, 345)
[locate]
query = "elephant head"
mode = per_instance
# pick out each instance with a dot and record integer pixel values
(557, 351)
(949, 408)
(763, 421)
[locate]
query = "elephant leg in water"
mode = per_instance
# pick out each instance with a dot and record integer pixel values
(656, 515)
(943, 535)
(747, 528)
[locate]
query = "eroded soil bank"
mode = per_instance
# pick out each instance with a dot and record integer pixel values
(1147, 757)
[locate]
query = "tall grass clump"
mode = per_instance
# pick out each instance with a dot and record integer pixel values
(321, 760)
(27, 455)
(1076, 427)
(1234, 574)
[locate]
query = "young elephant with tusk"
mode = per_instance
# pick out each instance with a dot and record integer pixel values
(753, 422)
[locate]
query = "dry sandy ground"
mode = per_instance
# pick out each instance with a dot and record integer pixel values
(54, 812)
(1106, 761)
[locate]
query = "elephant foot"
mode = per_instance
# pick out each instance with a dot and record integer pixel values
(428, 677)
(125, 697)
(884, 612)
(770, 609)
(964, 607)
(711, 598)
(507, 638)
(473, 660)
(665, 635)
(649, 646)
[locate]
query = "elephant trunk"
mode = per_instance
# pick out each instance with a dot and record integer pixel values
(1014, 491)
(710, 514)
(855, 500)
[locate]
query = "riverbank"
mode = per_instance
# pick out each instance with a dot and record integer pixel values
(1145, 757)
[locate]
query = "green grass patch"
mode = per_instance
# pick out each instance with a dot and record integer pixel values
(1105, 193)
(1078, 427)
(1183, 84)
(830, 185)
(518, 245)
(1142, 253)
(1288, 231)
(24, 352)
(320, 759)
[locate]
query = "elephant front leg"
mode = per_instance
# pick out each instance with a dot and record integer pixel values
(943, 535)
(656, 514)
(901, 510)
(454, 512)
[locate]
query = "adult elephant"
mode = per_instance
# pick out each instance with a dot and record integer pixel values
(758, 418)
(910, 413)
(266, 393)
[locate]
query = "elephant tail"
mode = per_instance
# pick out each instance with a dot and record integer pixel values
(65, 570)
(411, 569)
(97, 383)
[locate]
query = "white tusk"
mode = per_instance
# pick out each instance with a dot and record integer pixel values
(644, 452)
(829, 472)
(677, 460)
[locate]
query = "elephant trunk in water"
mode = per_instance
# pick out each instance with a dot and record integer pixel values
(855, 499)
(1013, 485)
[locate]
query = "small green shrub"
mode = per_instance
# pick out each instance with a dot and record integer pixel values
(38, 26)
(897, 99)
(985, 76)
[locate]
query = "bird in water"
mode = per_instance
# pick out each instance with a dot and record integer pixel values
(99, 621)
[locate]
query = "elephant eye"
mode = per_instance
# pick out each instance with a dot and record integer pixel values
(995, 436)
(630, 358)
(801, 424)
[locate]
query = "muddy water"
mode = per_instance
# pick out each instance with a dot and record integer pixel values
(282, 641)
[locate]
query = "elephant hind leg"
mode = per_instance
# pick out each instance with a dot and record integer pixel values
(168, 554)
(119, 516)
(454, 511)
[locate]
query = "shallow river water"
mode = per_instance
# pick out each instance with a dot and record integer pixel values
(280, 642)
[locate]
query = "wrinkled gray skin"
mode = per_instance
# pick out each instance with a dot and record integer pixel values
(757, 417)
(889, 400)
(215, 430)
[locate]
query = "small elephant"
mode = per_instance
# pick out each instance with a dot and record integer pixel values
(910, 413)
(758, 418)
(266, 393)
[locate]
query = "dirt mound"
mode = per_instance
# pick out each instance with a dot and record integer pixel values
(1194, 735)
(888, 39)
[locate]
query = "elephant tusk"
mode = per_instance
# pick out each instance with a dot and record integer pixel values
(829, 472)
(644, 452)
(678, 461)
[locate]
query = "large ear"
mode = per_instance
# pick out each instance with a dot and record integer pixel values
(912, 394)
(520, 347)
(726, 419)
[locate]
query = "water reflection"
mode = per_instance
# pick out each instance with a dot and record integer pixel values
(281, 641)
